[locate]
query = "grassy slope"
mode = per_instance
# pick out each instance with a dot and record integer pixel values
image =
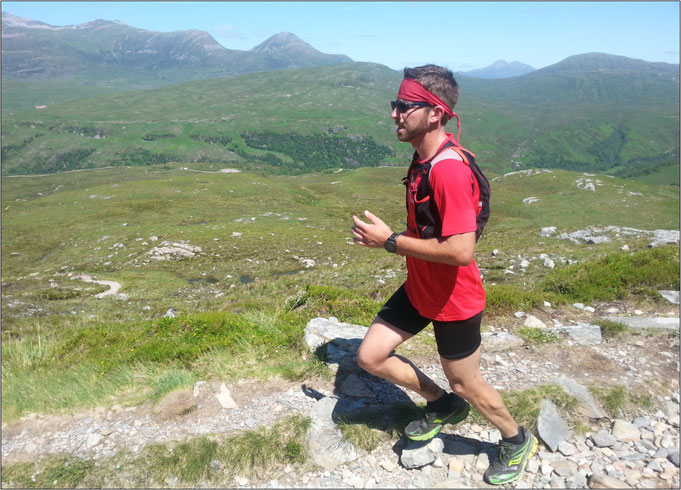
(530, 121)
(75, 222)
(245, 300)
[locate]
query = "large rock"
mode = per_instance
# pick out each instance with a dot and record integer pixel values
(532, 321)
(551, 427)
(355, 387)
(324, 441)
(671, 296)
(625, 431)
(603, 439)
(583, 333)
(601, 480)
(589, 403)
(419, 454)
(643, 322)
(664, 237)
(225, 399)
(342, 340)
(321, 330)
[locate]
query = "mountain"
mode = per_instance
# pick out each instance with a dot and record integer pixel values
(501, 69)
(588, 113)
(114, 56)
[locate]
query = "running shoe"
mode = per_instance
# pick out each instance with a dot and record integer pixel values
(511, 460)
(430, 424)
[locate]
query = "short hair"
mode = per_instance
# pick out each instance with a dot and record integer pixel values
(438, 80)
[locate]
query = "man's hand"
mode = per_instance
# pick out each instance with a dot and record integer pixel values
(372, 234)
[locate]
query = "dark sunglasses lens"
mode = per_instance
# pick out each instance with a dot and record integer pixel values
(401, 106)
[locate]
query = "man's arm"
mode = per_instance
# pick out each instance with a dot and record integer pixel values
(453, 250)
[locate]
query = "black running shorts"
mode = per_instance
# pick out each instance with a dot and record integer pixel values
(455, 340)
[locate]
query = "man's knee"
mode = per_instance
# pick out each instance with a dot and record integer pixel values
(370, 359)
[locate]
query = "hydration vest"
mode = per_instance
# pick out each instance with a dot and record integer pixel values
(417, 181)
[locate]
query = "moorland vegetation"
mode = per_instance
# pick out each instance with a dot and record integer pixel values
(99, 186)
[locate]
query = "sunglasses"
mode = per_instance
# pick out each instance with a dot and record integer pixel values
(405, 106)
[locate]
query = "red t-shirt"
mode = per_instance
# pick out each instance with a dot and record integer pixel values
(440, 291)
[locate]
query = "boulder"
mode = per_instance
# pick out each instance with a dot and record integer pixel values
(625, 431)
(324, 441)
(601, 480)
(418, 454)
(642, 322)
(354, 386)
(321, 330)
(583, 333)
(603, 439)
(671, 296)
(593, 410)
(532, 321)
(551, 427)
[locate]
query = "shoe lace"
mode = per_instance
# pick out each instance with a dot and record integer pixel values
(505, 451)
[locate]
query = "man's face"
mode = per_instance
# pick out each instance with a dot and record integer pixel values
(412, 123)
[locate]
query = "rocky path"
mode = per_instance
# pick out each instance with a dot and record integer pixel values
(640, 452)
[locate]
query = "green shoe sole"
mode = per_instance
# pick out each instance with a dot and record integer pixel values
(454, 419)
(516, 476)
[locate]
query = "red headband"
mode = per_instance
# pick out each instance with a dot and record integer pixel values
(413, 91)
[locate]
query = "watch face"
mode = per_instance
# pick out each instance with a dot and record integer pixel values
(391, 244)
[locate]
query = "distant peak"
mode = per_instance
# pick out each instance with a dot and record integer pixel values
(501, 69)
(282, 41)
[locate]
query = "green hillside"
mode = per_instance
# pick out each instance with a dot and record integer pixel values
(103, 56)
(247, 259)
(620, 121)
(255, 233)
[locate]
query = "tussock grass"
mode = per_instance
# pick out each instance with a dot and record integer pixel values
(92, 362)
(346, 305)
(209, 461)
(525, 405)
(370, 428)
(619, 401)
(617, 275)
(172, 380)
(611, 329)
(536, 336)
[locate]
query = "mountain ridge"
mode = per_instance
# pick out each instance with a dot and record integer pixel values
(100, 51)
(501, 69)
(588, 122)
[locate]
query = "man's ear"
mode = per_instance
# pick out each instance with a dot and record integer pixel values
(436, 113)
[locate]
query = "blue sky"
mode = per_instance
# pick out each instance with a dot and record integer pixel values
(459, 35)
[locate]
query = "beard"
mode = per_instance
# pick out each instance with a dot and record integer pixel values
(407, 133)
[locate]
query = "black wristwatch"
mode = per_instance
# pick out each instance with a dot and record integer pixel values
(391, 243)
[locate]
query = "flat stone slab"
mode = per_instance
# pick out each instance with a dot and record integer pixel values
(582, 333)
(594, 411)
(645, 322)
(671, 296)
(321, 330)
(552, 429)
(324, 441)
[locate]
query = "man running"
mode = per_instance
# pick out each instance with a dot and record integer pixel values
(443, 283)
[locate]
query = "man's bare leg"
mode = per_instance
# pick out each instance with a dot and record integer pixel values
(466, 381)
(375, 356)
